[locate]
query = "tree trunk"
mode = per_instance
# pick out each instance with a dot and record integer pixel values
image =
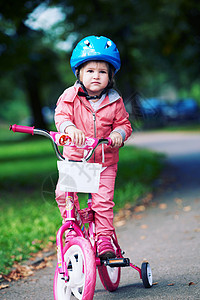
(34, 97)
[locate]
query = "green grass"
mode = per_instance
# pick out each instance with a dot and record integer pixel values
(28, 175)
(27, 225)
(185, 127)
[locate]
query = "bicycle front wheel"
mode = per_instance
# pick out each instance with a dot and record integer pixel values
(80, 260)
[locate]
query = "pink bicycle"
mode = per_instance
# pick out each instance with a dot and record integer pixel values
(75, 274)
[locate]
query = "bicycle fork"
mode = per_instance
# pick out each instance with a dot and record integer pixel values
(72, 217)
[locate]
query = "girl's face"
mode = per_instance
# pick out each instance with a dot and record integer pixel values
(95, 77)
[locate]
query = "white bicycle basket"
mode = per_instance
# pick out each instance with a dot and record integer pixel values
(80, 177)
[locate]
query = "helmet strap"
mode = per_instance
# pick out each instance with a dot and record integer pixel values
(85, 93)
(82, 94)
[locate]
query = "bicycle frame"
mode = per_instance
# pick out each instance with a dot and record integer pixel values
(74, 221)
(75, 218)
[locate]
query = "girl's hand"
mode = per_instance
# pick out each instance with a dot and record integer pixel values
(116, 138)
(76, 135)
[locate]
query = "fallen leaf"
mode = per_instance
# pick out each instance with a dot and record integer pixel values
(32, 258)
(21, 271)
(144, 226)
(120, 223)
(171, 284)
(155, 283)
(127, 213)
(138, 217)
(120, 213)
(163, 206)
(46, 249)
(120, 216)
(187, 208)
(143, 237)
(42, 265)
(127, 206)
(197, 230)
(178, 201)
(191, 283)
(139, 208)
(4, 286)
(147, 198)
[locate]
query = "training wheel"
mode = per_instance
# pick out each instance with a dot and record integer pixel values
(146, 275)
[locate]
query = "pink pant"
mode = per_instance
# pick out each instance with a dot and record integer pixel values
(102, 202)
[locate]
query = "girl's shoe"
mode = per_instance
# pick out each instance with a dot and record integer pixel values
(105, 248)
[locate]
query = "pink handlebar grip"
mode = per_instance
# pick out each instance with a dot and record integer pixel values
(22, 129)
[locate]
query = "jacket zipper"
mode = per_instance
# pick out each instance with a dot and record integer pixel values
(94, 119)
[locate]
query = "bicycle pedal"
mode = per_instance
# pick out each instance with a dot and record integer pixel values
(117, 262)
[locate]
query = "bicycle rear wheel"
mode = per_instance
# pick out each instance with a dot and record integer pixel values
(110, 277)
(80, 260)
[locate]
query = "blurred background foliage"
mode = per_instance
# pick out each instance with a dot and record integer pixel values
(159, 43)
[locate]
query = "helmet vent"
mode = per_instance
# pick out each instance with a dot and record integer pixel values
(108, 44)
(87, 43)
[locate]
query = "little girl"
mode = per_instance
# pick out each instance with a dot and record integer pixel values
(92, 108)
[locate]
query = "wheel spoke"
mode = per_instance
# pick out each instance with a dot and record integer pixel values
(77, 292)
(79, 271)
(113, 273)
(76, 274)
(68, 292)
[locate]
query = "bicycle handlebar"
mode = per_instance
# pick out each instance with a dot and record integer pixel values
(62, 139)
(23, 129)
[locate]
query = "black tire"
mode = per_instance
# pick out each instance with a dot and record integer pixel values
(146, 275)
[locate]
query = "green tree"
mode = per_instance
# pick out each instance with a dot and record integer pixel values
(151, 35)
(158, 41)
(26, 60)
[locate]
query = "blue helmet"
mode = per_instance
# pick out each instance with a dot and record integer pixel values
(95, 48)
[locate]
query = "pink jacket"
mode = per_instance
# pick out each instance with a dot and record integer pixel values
(111, 115)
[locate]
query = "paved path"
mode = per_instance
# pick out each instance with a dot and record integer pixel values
(167, 233)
